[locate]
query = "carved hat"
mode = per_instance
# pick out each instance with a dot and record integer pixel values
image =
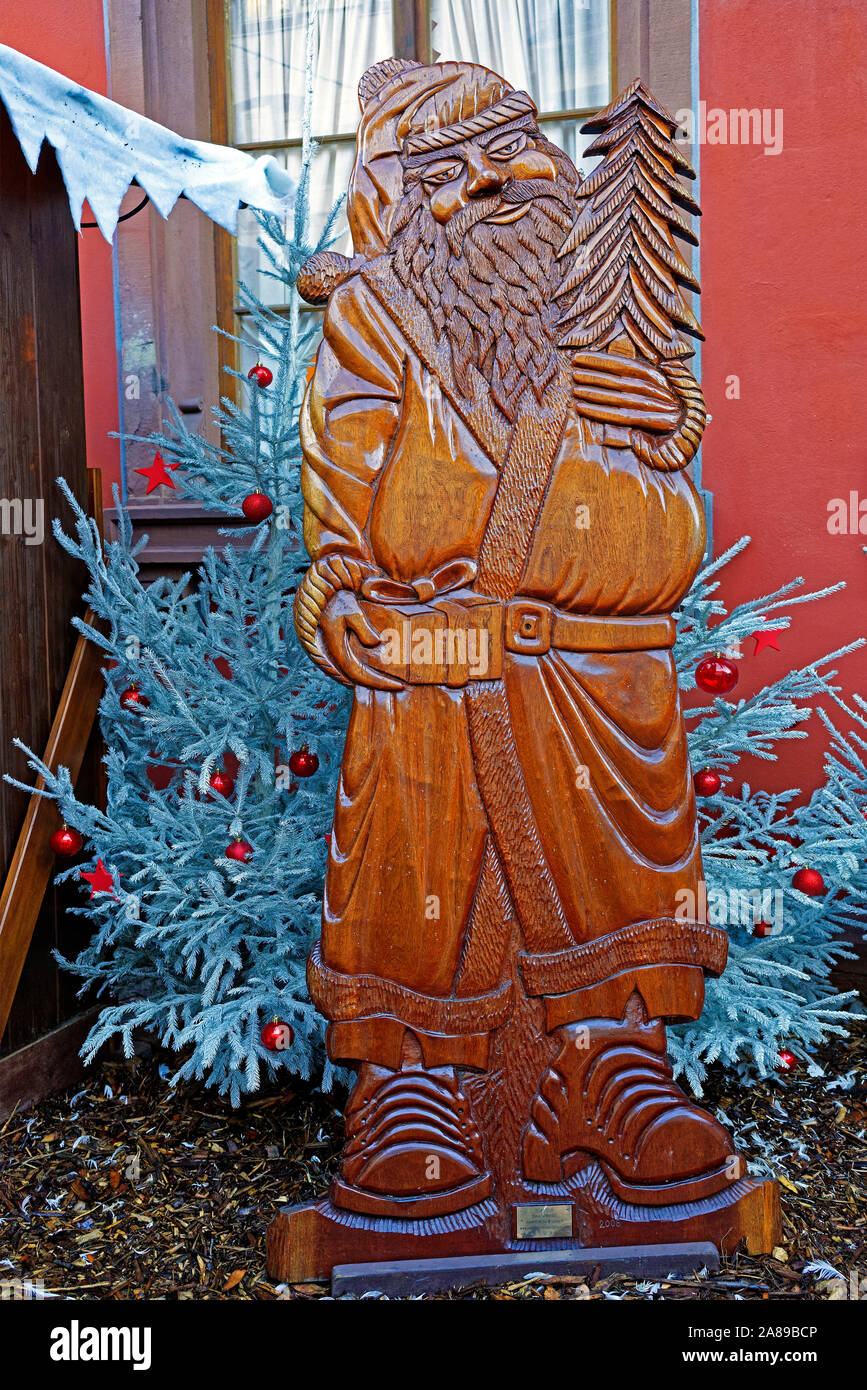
(410, 110)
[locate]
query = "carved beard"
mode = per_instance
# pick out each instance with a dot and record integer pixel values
(490, 289)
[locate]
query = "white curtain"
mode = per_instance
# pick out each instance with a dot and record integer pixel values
(268, 42)
(557, 50)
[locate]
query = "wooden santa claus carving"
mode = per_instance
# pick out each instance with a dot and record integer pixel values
(500, 526)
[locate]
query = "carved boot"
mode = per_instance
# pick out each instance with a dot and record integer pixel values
(412, 1148)
(609, 1094)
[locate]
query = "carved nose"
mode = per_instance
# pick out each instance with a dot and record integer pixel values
(483, 177)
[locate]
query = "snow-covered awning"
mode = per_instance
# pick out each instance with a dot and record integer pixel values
(103, 147)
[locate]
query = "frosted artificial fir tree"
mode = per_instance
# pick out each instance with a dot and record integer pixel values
(223, 740)
(775, 996)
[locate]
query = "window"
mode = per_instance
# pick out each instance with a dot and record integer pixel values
(558, 50)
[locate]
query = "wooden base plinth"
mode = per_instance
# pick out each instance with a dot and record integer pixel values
(306, 1242)
(511, 1215)
(404, 1278)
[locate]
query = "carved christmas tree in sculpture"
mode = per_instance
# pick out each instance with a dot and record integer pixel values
(627, 268)
(623, 292)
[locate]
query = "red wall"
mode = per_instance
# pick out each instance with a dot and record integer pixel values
(70, 38)
(784, 307)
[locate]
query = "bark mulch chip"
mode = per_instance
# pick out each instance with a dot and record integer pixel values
(126, 1189)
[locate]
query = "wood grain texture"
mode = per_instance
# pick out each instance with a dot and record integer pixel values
(216, 23)
(41, 436)
(33, 860)
(500, 527)
(306, 1242)
(47, 1065)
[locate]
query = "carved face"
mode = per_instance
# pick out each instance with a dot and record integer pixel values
(483, 167)
(476, 238)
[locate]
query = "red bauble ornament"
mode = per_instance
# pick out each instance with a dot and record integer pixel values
(762, 929)
(277, 1035)
(809, 881)
(707, 782)
(257, 507)
(66, 842)
(159, 775)
(303, 763)
(786, 1060)
(240, 849)
(716, 674)
(222, 782)
(260, 375)
(133, 699)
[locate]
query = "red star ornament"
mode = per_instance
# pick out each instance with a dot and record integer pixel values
(100, 880)
(157, 474)
(766, 637)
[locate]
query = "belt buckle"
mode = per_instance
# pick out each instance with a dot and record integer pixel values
(528, 627)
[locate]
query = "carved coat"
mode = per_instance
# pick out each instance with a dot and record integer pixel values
(523, 817)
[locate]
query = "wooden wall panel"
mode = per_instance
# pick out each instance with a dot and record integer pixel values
(41, 437)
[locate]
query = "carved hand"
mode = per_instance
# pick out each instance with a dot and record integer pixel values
(646, 400)
(624, 391)
(330, 622)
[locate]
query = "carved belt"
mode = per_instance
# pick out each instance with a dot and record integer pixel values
(452, 641)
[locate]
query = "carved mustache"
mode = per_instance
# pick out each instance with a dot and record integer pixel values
(513, 196)
(516, 197)
(525, 190)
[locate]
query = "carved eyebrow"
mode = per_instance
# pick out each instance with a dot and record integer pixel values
(420, 166)
(516, 127)
(419, 162)
(433, 165)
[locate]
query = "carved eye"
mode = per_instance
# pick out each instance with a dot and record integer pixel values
(442, 173)
(508, 147)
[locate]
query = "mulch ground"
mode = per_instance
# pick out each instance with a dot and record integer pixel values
(128, 1190)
